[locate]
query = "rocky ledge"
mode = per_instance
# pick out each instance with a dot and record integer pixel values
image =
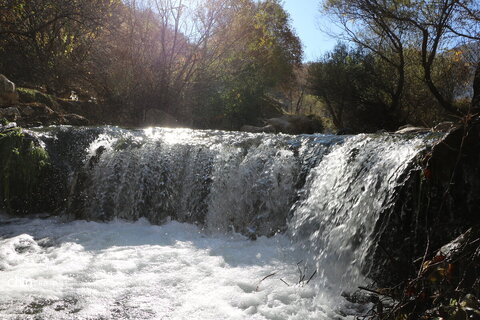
(30, 107)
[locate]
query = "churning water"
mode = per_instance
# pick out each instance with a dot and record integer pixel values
(246, 226)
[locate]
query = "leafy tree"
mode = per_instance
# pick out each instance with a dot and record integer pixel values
(45, 41)
(209, 62)
(364, 24)
(354, 89)
(257, 51)
(433, 27)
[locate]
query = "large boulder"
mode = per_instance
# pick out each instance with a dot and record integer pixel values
(8, 94)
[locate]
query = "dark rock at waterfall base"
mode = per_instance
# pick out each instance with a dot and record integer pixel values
(345, 131)
(24, 168)
(439, 202)
(445, 286)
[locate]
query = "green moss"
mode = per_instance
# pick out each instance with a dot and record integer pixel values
(31, 95)
(22, 163)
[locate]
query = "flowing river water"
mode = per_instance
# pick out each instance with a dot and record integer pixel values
(188, 224)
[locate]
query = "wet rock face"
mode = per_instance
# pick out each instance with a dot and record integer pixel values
(8, 94)
(440, 201)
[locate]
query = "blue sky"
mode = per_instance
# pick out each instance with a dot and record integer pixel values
(305, 19)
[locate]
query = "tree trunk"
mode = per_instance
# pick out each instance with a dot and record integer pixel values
(476, 91)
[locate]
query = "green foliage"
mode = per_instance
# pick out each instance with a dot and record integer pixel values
(21, 167)
(47, 41)
(430, 30)
(354, 89)
(201, 65)
(262, 56)
(358, 88)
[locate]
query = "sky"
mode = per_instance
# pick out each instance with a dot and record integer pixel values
(305, 19)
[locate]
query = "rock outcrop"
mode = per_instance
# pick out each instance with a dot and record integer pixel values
(439, 200)
(8, 94)
(29, 107)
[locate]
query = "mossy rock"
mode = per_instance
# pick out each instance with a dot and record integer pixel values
(22, 165)
(31, 95)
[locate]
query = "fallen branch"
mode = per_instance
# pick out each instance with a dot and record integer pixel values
(270, 275)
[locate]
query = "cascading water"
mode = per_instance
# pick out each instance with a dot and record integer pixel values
(346, 193)
(317, 198)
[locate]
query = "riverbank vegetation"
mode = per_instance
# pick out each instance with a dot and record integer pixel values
(22, 165)
(407, 62)
(207, 64)
(226, 63)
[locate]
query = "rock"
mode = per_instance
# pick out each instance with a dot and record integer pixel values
(281, 125)
(293, 124)
(266, 129)
(445, 126)
(35, 109)
(456, 249)
(27, 110)
(10, 113)
(345, 131)
(33, 114)
(411, 129)
(8, 94)
(27, 95)
(74, 119)
(438, 202)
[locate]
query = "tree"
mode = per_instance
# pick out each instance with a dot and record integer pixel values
(255, 50)
(364, 23)
(154, 58)
(354, 89)
(436, 25)
(47, 41)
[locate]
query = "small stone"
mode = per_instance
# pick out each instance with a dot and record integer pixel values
(10, 113)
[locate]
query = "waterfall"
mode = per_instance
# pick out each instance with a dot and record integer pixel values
(345, 195)
(176, 224)
(326, 192)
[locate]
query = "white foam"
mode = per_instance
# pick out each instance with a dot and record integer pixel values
(119, 270)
